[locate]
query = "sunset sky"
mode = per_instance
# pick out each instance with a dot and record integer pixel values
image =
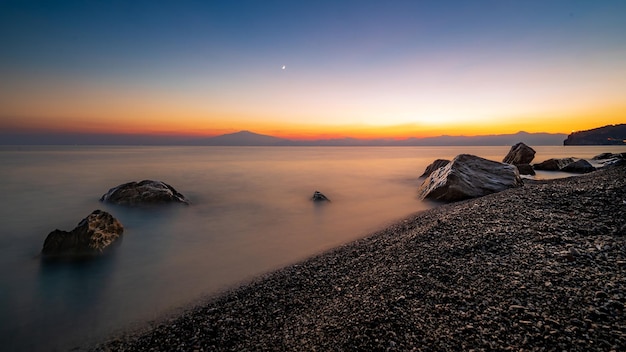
(312, 69)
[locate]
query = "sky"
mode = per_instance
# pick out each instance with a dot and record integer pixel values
(312, 69)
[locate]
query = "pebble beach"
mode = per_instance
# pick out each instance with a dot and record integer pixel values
(540, 267)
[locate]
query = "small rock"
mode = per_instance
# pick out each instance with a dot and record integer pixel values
(520, 153)
(581, 166)
(319, 197)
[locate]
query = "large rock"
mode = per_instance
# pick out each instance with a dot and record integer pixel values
(92, 236)
(553, 164)
(525, 169)
(434, 166)
(581, 166)
(144, 192)
(469, 176)
(519, 154)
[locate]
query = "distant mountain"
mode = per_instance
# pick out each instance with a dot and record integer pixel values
(607, 135)
(243, 138)
(247, 138)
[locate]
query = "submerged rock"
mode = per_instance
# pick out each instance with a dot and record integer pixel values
(469, 176)
(319, 197)
(553, 164)
(434, 166)
(92, 236)
(144, 192)
(581, 166)
(519, 154)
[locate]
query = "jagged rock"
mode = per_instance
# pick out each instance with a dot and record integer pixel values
(525, 169)
(319, 197)
(553, 164)
(434, 166)
(144, 192)
(581, 166)
(519, 154)
(92, 236)
(469, 176)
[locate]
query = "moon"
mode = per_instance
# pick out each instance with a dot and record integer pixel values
(284, 67)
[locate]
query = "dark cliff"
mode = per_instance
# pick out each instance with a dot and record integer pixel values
(607, 135)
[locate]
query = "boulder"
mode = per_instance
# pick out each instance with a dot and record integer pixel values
(605, 156)
(469, 176)
(581, 166)
(92, 236)
(519, 154)
(553, 164)
(525, 169)
(434, 166)
(319, 197)
(144, 192)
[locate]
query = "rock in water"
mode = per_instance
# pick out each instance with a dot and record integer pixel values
(144, 192)
(434, 166)
(553, 164)
(469, 176)
(581, 166)
(519, 154)
(319, 197)
(93, 235)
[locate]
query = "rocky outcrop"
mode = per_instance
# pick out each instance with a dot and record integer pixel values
(469, 176)
(92, 236)
(607, 135)
(434, 166)
(519, 154)
(525, 169)
(581, 166)
(144, 192)
(319, 197)
(553, 164)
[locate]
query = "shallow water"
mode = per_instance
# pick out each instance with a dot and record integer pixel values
(251, 213)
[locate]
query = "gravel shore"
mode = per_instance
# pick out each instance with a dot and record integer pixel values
(541, 267)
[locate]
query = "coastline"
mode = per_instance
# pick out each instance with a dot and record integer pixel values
(540, 266)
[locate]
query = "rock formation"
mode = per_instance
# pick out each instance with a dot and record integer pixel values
(319, 197)
(553, 164)
(434, 166)
(92, 236)
(581, 166)
(525, 169)
(469, 176)
(519, 154)
(144, 192)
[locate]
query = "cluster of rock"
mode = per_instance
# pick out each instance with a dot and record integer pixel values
(470, 176)
(99, 231)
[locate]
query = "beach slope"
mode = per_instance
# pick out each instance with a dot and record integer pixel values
(541, 266)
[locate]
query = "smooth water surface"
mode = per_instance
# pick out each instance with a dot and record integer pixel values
(251, 213)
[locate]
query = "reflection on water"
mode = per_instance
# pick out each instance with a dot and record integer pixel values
(251, 213)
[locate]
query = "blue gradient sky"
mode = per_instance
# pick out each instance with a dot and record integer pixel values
(358, 68)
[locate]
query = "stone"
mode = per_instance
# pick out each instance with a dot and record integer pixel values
(469, 176)
(525, 169)
(553, 164)
(605, 156)
(520, 153)
(319, 197)
(144, 192)
(434, 166)
(581, 166)
(92, 236)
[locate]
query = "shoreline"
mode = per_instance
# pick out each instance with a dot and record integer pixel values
(541, 266)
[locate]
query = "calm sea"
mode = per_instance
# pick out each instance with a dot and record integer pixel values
(251, 214)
